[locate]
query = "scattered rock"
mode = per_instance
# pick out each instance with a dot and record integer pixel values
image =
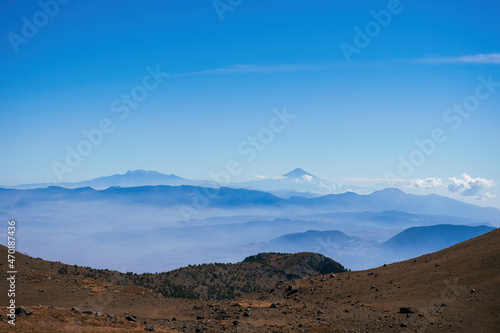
(131, 318)
(273, 306)
(403, 324)
(99, 314)
(406, 309)
(247, 314)
(292, 290)
(472, 290)
(320, 312)
(235, 323)
(89, 312)
(150, 328)
(76, 310)
(333, 275)
(200, 317)
(22, 311)
(111, 319)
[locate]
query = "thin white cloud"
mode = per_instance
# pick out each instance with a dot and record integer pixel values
(330, 187)
(426, 183)
(482, 58)
(261, 177)
(467, 186)
(256, 69)
(487, 196)
(307, 178)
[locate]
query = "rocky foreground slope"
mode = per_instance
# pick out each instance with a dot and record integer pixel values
(453, 290)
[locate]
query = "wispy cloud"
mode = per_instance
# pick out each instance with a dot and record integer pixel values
(467, 186)
(263, 177)
(463, 187)
(308, 178)
(330, 187)
(257, 69)
(486, 58)
(425, 183)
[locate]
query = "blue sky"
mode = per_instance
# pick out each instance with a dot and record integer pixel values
(354, 119)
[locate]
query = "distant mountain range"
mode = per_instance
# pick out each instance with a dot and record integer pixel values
(419, 240)
(296, 182)
(128, 179)
(231, 198)
(184, 224)
(411, 242)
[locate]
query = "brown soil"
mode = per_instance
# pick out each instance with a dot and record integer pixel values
(436, 286)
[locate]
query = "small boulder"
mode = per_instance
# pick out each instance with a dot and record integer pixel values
(111, 319)
(89, 312)
(292, 290)
(131, 318)
(406, 309)
(150, 328)
(22, 311)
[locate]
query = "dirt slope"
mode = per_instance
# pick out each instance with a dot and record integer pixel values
(436, 286)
